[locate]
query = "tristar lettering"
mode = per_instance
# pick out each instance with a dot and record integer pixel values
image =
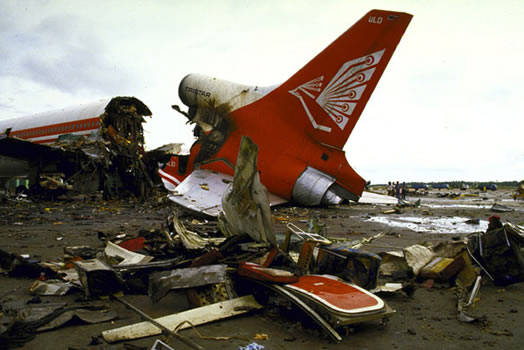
(198, 92)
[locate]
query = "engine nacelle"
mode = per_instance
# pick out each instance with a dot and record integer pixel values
(196, 90)
(314, 187)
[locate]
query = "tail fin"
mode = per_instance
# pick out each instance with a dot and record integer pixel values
(332, 89)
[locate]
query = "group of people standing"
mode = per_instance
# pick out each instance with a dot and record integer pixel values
(396, 189)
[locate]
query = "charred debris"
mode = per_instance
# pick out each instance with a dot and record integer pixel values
(111, 160)
(117, 155)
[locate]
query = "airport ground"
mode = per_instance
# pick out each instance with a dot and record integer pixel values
(426, 320)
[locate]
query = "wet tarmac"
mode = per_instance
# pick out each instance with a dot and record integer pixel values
(442, 225)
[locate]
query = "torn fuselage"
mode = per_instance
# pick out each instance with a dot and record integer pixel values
(94, 146)
(287, 165)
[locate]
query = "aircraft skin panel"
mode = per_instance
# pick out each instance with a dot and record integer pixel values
(45, 127)
(202, 191)
(12, 167)
(26, 150)
(50, 133)
(375, 198)
(19, 157)
(56, 117)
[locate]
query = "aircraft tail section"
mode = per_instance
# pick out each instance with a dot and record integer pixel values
(332, 89)
(302, 125)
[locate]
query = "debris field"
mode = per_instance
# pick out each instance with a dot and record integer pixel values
(98, 274)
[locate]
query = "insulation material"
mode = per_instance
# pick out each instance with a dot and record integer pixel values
(391, 262)
(417, 257)
(412, 258)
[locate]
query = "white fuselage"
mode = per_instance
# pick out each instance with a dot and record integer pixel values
(45, 128)
(48, 126)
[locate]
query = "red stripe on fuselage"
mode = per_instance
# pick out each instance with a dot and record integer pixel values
(54, 139)
(55, 130)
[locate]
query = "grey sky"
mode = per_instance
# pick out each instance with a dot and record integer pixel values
(448, 106)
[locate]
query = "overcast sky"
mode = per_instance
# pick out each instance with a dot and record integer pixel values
(448, 107)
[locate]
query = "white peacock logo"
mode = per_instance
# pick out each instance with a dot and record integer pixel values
(340, 97)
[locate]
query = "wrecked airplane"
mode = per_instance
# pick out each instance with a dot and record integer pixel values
(300, 126)
(96, 146)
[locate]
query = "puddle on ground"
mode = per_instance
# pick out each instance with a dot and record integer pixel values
(469, 206)
(445, 225)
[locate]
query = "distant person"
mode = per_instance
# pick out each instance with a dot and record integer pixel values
(397, 190)
(389, 188)
(403, 190)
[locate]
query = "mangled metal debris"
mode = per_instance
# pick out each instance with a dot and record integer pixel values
(20, 324)
(50, 287)
(99, 146)
(410, 260)
(98, 278)
(190, 239)
(161, 282)
(217, 270)
(250, 251)
(246, 202)
(499, 252)
(341, 260)
(499, 208)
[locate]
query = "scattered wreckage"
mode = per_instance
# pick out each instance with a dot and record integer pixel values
(234, 272)
(225, 277)
(519, 193)
(86, 148)
(246, 266)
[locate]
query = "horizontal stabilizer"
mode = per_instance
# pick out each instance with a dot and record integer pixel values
(202, 192)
